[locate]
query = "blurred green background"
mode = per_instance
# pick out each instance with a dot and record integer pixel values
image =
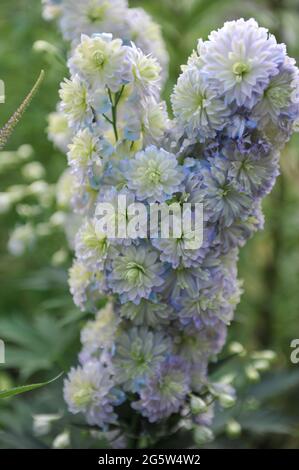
(38, 321)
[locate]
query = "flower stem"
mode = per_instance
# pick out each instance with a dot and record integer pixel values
(114, 109)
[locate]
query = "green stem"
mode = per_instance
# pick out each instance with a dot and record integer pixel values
(134, 437)
(107, 119)
(114, 110)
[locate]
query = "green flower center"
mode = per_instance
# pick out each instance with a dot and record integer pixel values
(91, 241)
(134, 272)
(83, 396)
(97, 13)
(139, 360)
(99, 59)
(170, 386)
(225, 191)
(154, 176)
(240, 69)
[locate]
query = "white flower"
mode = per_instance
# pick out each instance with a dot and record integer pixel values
(92, 247)
(100, 59)
(42, 423)
(239, 60)
(146, 34)
(196, 106)
(92, 16)
(88, 390)
(145, 71)
(58, 130)
(100, 333)
(84, 284)
(64, 189)
(74, 102)
(83, 153)
(149, 124)
(21, 239)
(154, 174)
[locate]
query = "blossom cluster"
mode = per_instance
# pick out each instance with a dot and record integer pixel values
(235, 105)
(76, 17)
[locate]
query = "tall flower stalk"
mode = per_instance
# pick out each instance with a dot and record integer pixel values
(147, 351)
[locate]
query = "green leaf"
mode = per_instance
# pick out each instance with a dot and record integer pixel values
(38, 346)
(267, 421)
(26, 388)
(274, 385)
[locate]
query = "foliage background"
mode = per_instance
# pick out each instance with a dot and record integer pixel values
(38, 321)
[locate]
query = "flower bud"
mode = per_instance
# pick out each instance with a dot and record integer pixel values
(42, 423)
(252, 374)
(237, 348)
(233, 428)
(33, 171)
(62, 440)
(203, 435)
(226, 400)
(267, 355)
(197, 405)
(262, 365)
(25, 152)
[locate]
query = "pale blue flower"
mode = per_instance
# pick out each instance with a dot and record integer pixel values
(137, 354)
(135, 273)
(221, 196)
(154, 174)
(239, 60)
(280, 98)
(197, 345)
(89, 390)
(165, 391)
(253, 174)
(154, 313)
(197, 108)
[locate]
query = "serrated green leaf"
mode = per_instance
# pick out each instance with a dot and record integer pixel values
(31, 348)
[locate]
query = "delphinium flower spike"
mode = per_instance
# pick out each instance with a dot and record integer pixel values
(169, 303)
